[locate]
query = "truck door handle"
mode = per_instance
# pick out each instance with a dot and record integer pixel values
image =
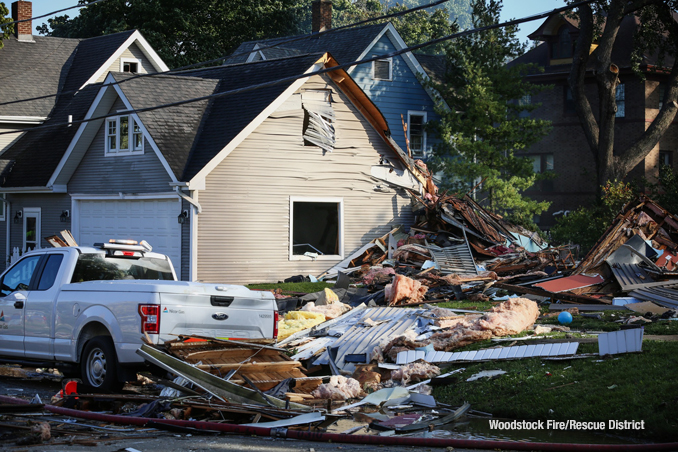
(18, 304)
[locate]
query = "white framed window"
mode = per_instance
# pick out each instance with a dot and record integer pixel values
(316, 228)
(124, 136)
(416, 135)
(130, 65)
(382, 69)
(620, 98)
(32, 228)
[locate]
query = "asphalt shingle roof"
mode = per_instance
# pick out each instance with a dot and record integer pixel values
(345, 45)
(38, 152)
(33, 69)
(173, 129)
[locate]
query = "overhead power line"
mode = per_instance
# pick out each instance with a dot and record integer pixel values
(319, 72)
(52, 13)
(216, 60)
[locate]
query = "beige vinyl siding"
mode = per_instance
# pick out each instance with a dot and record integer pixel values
(8, 138)
(244, 226)
(100, 174)
(133, 52)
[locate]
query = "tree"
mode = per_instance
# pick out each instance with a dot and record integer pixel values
(486, 123)
(5, 30)
(415, 28)
(656, 35)
(186, 32)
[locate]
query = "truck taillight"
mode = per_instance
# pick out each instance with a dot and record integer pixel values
(150, 318)
(275, 325)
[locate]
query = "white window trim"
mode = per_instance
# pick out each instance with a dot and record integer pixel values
(411, 113)
(390, 69)
(130, 137)
(34, 212)
(131, 60)
(325, 257)
(3, 209)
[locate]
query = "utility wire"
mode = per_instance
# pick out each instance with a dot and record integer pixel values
(318, 72)
(52, 13)
(216, 60)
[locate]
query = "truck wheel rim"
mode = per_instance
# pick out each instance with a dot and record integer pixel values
(96, 367)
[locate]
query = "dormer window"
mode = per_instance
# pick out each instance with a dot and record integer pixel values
(130, 65)
(562, 47)
(123, 136)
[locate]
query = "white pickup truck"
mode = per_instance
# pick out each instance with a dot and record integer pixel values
(89, 307)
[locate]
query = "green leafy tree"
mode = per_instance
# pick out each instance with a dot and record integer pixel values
(486, 125)
(415, 28)
(5, 30)
(657, 34)
(186, 32)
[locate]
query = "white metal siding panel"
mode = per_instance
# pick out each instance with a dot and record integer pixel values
(244, 227)
(133, 51)
(153, 220)
(98, 174)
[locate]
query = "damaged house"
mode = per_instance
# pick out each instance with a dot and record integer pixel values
(268, 171)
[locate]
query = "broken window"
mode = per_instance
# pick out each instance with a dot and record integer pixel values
(381, 69)
(416, 133)
(318, 119)
(316, 226)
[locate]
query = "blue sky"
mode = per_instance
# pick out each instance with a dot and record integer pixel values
(513, 9)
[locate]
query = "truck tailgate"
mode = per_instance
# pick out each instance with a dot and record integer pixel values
(217, 316)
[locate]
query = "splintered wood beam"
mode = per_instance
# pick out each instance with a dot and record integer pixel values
(563, 296)
(253, 367)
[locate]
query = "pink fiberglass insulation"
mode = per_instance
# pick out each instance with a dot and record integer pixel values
(377, 273)
(405, 290)
(338, 388)
(510, 317)
(416, 371)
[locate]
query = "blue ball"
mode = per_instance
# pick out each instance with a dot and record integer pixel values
(565, 318)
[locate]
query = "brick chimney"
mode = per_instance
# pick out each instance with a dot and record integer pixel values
(321, 15)
(22, 10)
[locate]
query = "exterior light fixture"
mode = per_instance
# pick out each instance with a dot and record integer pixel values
(183, 217)
(18, 216)
(65, 215)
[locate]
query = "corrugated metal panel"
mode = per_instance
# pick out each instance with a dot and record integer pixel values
(244, 227)
(664, 296)
(515, 352)
(362, 339)
(624, 341)
(454, 259)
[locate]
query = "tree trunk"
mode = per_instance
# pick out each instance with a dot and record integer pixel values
(600, 132)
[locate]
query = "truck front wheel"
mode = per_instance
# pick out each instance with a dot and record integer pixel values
(98, 365)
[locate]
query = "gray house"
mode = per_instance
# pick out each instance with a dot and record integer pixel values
(48, 82)
(249, 172)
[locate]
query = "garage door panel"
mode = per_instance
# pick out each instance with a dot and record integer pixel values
(137, 219)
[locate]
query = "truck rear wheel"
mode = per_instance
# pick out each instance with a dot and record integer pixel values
(99, 365)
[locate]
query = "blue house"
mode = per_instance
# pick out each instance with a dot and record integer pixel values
(392, 83)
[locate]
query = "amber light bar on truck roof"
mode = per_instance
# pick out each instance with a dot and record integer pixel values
(115, 245)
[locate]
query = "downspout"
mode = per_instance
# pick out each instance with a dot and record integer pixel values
(193, 232)
(8, 208)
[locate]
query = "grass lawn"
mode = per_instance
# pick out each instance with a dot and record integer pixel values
(626, 387)
(293, 288)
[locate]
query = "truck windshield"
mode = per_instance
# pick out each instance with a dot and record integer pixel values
(97, 267)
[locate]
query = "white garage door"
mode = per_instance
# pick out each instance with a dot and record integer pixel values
(153, 220)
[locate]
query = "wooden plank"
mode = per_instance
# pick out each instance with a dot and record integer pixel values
(252, 367)
(568, 297)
